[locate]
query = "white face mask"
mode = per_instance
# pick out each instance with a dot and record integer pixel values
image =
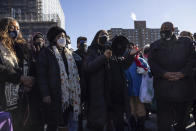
(61, 42)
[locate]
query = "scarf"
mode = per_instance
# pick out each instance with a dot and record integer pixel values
(70, 84)
(11, 90)
(138, 63)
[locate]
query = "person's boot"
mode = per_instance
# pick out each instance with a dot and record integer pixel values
(133, 123)
(140, 123)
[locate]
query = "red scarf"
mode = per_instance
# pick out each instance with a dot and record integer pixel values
(138, 63)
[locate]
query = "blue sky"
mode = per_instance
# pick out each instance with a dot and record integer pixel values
(86, 17)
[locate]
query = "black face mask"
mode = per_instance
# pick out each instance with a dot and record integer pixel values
(82, 44)
(38, 46)
(103, 39)
(166, 34)
(83, 47)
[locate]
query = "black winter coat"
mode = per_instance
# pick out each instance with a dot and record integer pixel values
(102, 75)
(7, 75)
(49, 83)
(176, 55)
(118, 100)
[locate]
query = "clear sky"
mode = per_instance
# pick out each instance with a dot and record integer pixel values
(86, 17)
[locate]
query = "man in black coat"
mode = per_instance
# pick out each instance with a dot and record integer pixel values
(194, 102)
(33, 97)
(79, 56)
(171, 62)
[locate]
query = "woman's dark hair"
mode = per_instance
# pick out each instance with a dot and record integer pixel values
(95, 39)
(53, 32)
(5, 39)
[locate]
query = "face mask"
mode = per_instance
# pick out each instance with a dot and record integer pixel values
(40, 44)
(83, 44)
(103, 39)
(14, 34)
(83, 48)
(61, 42)
(166, 34)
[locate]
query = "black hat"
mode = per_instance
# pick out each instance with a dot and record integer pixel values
(167, 26)
(119, 45)
(53, 32)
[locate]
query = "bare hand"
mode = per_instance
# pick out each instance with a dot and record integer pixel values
(173, 76)
(27, 81)
(134, 51)
(108, 54)
(27, 89)
(176, 76)
(47, 99)
(180, 75)
(168, 75)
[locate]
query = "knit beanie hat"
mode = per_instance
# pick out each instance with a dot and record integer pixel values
(53, 32)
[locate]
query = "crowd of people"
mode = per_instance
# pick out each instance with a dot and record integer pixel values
(108, 84)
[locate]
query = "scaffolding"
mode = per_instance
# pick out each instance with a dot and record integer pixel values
(40, 9)
(29, 11)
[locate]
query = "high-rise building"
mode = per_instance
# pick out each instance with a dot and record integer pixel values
(34, 15)
(53, 7)
(140, 35)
